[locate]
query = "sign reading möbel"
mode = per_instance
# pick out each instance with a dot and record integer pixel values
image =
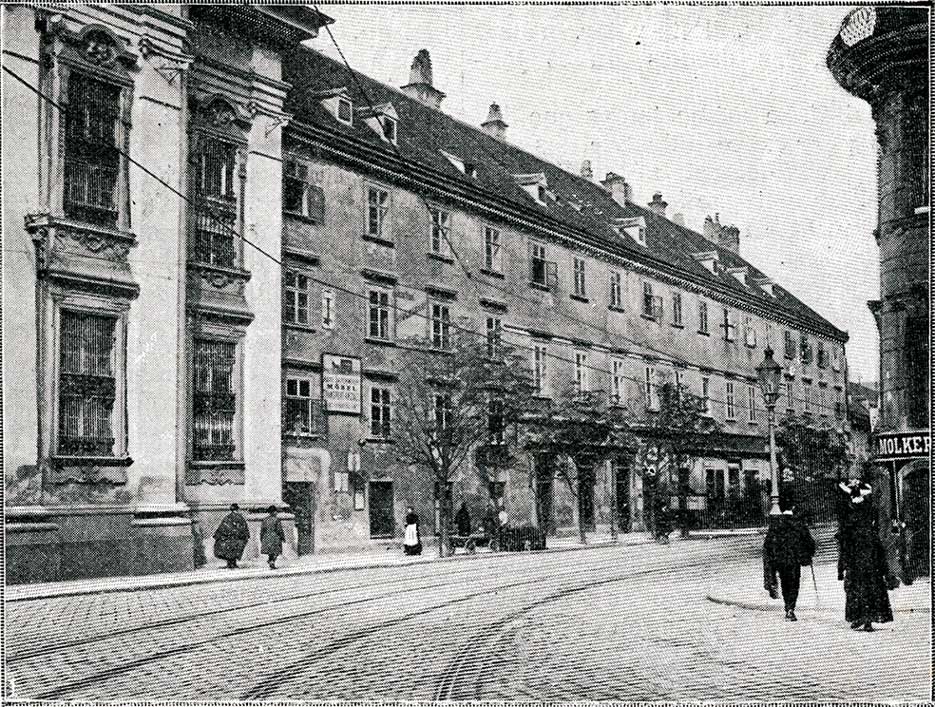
(890, 446)
(340, 383)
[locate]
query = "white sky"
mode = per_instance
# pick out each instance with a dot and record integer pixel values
(722, 109)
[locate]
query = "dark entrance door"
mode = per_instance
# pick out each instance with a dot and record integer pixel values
(544, 493)
(916, 515)
(382, 521)
(623, 496)
(300, 496)
(586, 499)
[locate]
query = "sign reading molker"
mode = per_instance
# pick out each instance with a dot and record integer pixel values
(902, 445)
(340, 383)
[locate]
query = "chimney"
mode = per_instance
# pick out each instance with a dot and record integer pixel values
(619, 189)
(729, 238)
(679, 218)
(420, 86)
(712, 228)
(657, 205)
(586, 171)
(494, 125)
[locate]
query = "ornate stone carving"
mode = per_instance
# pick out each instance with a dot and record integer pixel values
(215, 474)
(220, 114)
(99, 48)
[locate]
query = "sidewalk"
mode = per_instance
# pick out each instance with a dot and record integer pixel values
(306, 564)
(747, 592)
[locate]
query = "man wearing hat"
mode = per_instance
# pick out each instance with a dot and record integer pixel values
(231, 537)
(788, 547)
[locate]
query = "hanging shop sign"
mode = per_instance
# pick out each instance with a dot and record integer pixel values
(895, 446)
(340, 383)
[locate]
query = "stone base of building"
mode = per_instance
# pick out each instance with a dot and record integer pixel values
(63, 543)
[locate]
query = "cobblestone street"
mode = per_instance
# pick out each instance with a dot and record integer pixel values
(610, 623)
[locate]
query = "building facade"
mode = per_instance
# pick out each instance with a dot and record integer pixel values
(143, 334)
(881, 56)
(403, 220)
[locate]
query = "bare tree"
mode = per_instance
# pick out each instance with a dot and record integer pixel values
(453, 401)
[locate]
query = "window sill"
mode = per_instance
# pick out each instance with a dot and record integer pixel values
(730, 419)
(677, 326)
(300, 327)
(704, 333)
(68, 460)
(615, 308)
(301, 217)
(378, 241)
(540, 286)
(441, 258)
(304, 435)
(380, 440)
(649, 317)
(492, 273)
(217, 464)
(752, 423)
(579, 298)
(379, 342)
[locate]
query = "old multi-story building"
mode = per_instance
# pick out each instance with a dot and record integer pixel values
(400, 220)
(881, 56)
(141, 335)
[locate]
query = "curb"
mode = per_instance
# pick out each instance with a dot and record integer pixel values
(759, 606)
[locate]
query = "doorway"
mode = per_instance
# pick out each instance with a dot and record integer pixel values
(544, 493)
(586, 499)
(382, 516)
(622, 477)
(300, 495)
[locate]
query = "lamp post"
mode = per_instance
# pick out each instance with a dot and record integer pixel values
(769, 374)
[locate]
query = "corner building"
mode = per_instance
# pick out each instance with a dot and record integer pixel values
(398, 218)
(141, 338)
(881, 55)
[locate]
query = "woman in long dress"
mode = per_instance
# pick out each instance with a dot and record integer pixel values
(863, 561)
(412, 545)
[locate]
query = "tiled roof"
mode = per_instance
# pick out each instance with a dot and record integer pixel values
(576, 203)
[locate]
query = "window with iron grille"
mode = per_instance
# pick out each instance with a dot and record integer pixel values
(616, 289)
(378, 314)
(729, 402)
(579, 277)
(304, 415)
(379, 411)
(378, 205)
(581, 371)
(295, 305)
(677, 308)
(441, 325)
(92, 162)
(494, 337)
(539, 369)
(439, 231)
(214, 401)
(215, 209)
(703, 317)
(493, 255)
(87, 385)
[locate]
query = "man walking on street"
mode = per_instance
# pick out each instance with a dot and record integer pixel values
(231, 537)
(788, 547)
(271, 537)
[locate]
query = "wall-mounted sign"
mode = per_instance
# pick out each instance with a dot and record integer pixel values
(893, 446)
(340, 383)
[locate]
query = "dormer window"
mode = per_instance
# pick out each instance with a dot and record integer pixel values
(740, 274)
(389, 128)
(634, 227)
(765, 284)
(709, 260)
(345, 111)
(542, 193)
(337, 101)
(382, 119)
(534, 185)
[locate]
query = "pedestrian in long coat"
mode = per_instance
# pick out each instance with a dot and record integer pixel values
(231, 537)
(863, 559)
(463, 520)
(271, 537)
(788, 547)
(412, 544)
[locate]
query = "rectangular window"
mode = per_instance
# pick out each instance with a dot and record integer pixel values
(835, 359)
(729, 402)
(494, 337)
(651, 389)
(327, 309)
(359, 494)
(537, 264)
(581, 371)
(751, 403)
(821, 359)
(304, 416)
(677, 308)
(649, 308)
(616, 289)
(378, 314)
(389, 128)
(805, 349)
(92, 163)
(807, 398)
(789, 344)
(539, 369)
(441, 325)
(617, 383)
(493, 255)
(379, 412)
(749, 332)
(822, 406)
(295, 299)
(728, 325)
(341, 480)
(214, 400)
(295, 192)
(378, 206)
(439, 231)
(706, 395)
(87, 385)
(580, 290)
(677, 380)
(345, 114)
(215, 210)
(703, 318)
(838, 403)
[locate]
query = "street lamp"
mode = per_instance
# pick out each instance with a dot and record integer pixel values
(769, 374)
